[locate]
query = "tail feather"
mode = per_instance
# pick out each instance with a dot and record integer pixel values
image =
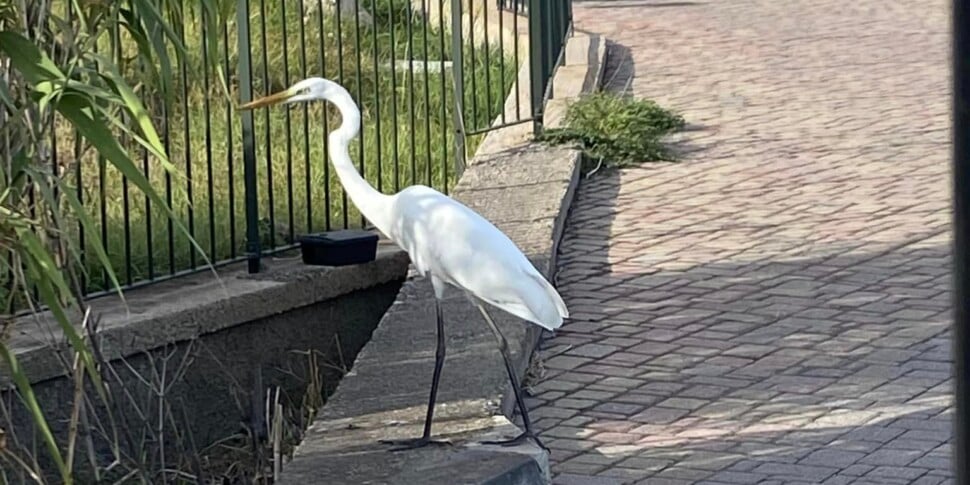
(547, 312)
(550, 319)
(553, 295)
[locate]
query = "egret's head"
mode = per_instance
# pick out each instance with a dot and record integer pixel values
(310, 89)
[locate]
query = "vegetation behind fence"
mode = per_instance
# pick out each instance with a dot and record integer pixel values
(402, 60)
(168, 177)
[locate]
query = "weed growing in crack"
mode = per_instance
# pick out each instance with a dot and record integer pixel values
(617, 130)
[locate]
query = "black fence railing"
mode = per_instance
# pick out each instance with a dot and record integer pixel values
(430, 76)
(518, 6)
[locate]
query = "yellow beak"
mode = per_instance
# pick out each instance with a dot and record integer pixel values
(268, 100)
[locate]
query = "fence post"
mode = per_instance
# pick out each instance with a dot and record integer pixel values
(569, 14)
(961, 237)
(248, 140)
(537, 53)
(458, 79)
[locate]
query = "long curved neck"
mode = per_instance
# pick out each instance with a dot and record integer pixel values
(371, 203)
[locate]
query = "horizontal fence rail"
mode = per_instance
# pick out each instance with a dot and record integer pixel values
(431, 77)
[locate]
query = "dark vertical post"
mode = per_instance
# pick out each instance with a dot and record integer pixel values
(537, 54)
(569, 13)
(248, 140)
(961, 239)
(458, 78)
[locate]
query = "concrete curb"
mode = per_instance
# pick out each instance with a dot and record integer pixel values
(526, 189)
(188, 307)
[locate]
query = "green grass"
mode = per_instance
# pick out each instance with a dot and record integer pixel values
(407, 136)
(618, 130)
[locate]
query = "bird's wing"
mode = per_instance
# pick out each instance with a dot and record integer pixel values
(469, 252)
(529, 297)
(465, 250)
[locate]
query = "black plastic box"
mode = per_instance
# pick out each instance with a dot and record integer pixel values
(339, 248)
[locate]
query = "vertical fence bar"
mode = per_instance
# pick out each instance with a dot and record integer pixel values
(961, 233)
(569, 12)
(150, 248)
(290, 219)
(116, 55)
(444, 98)
(515, 62)
(429, 170)
(472, 65)
(555, 43)
(537, 63)
(248, 138)
(410, 81)
(501, 49)
(167, 143)
(207, 110)
(549, 43)
(458, 79)
(103, 208)
(488, 64)
(187, 139)
(102, 194)
(377, 110)
(394, 120)
(326, 124)
(230, 160)
(340, 76)
(307, 167)
(268, 129)
(553, 8)
(360, 97)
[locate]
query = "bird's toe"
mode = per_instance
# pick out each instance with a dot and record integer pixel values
(414, 443)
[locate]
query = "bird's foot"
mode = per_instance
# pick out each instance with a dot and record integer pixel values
(518, 440)
(414, 443)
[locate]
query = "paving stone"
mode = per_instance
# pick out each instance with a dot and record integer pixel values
(774, 308)
(887, 456)
(812, 472)
(826, 457)
(648, 464)
(899, 472)
(574, 479)
(737, 477)
(683, 403)
(571, 403)
(565, 362)
(593, 350)
(658, 415)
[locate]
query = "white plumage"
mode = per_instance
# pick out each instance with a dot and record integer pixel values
(448, 242)
(457, 246)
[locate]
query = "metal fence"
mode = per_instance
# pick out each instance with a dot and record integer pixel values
(431, 77)
(517, 6)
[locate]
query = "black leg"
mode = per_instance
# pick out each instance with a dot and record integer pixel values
(439, 360)
(503, 346)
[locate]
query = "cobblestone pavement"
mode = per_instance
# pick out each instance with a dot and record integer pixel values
(773, 309)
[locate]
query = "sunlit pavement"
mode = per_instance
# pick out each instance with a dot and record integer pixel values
(775, 307)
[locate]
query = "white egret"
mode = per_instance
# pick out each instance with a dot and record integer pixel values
(447, 241)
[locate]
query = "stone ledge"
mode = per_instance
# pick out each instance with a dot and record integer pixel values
(187, 307)
(525, 189)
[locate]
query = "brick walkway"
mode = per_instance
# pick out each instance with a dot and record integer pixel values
(775, 308)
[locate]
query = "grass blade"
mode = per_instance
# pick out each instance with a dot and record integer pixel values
(37, 414)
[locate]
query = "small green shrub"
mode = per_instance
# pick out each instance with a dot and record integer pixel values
(619, 130)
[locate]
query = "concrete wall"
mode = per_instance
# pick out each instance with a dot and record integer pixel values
(215, 385)
(209, 343)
